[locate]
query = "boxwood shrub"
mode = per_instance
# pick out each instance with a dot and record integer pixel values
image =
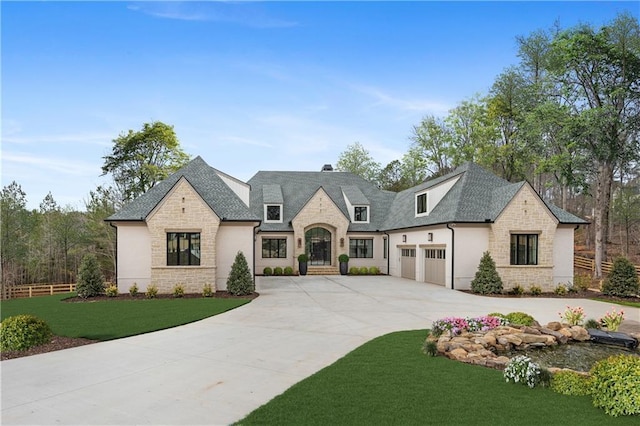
(616, 385)
(277, 270)
(267, 271)
(571, 383)
(288, 270)
(354, 270)
(21, 332)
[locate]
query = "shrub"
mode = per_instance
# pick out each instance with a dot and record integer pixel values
(354, 270)
(374, 270)
(267, 271)
(456, 325)
(22, 332)
(571, 383)
(90, 280)
(302, 258)
(152, 291)
(534, 290)
(133, 290)
(623, 279)
(486, 280)
(522, 370)
(112, 291)
(520, 318)
(207, 290)
(561, 290)
(288, 270)
(178, 290)
(497, 314)
(240, 282)
(343, 258)
(277, 271)
(582, 282)
(616, 385)
(517, 290)
(592, 323)
(363, 270)
(430, 347)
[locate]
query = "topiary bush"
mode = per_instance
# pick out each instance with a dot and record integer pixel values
(571, 383)
(288, 270)
(519, 318)
(240, 281)
(90, 280)
(363, 270)
(21, 332)
(277, 271)
(623, 279)
(354, 270)
(267, 271)
(616, 385)
(486, 280)
(374, 270)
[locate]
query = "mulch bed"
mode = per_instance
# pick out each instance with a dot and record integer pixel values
(57, 343)
(589, 294)
(141, 296)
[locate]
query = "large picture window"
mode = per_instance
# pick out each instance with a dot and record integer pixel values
(361, 248)
(524, 249)
(183, 248)
(274, 248)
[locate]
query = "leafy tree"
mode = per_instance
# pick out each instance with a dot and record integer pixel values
(139, 160)
(486, 280)
(357, 160)
(413, 167)
(240, 281)
(472, 132)
(13, 232)
(623, 279)
(101, 236)
(432, 140)
(626, 210)
(391, 177)
(50, 211)
(90, 278)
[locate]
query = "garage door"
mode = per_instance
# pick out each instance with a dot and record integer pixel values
(408, 264)
(435, 266)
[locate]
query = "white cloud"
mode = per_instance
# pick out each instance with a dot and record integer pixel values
(385, 99)
(90, 138)
(64, 166)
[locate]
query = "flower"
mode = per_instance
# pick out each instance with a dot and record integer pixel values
(612, 320)
(573, 316)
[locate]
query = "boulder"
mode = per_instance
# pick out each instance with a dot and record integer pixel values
(555, 326)
(530, 330)
(561, 338)
(579, 333)
(532, 338)
(458, 354)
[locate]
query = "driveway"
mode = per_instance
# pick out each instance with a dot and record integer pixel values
(217, 370)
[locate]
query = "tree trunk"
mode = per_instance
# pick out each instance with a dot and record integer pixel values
(603, 196)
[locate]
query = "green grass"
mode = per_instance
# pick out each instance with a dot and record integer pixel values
(113, 319)
(389, 381)
(617, 302)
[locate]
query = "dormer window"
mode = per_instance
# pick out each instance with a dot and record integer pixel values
(421, 204)
(273, 213)
(361, 214)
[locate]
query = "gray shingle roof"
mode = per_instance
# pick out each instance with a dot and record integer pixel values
(355, 196)
(272, 194)
(206, 182)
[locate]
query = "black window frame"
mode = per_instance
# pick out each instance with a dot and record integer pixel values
(361, 248)
(186, 256)
(357, 213)
(276, 248)
(421, 206)
(524, 249)
(267, 212)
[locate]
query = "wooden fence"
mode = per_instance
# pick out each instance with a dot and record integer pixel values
(590, 265)
(33, 290)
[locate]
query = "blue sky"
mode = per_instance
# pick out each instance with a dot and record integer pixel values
(248, 86)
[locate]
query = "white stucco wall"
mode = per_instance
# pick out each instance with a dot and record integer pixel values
(437, 193)
(471, 242)
(563, 255)
(134, 255)
(231, 238)
(241, 189)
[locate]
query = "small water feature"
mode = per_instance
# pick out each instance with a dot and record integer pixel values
(576, 356)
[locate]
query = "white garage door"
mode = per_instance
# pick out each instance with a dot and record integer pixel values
(408, 263)
(435, 265)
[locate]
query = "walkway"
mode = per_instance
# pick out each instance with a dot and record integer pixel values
(217, 370)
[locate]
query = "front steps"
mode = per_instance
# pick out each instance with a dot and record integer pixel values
(323, 270)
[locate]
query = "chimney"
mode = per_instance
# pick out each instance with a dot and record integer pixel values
(327, 168)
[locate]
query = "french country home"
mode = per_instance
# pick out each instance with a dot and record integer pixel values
(188, 228)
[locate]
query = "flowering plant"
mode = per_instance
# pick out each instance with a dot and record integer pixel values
(485, 323)
(522, 370)
(573, 316)
(456, 325)
(613, 319)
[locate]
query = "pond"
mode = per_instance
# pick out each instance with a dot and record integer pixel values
(576, 356)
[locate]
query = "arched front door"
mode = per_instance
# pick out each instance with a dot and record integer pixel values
(318, 246)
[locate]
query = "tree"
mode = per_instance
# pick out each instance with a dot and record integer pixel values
(626, 210)
(240, 281)
(139, 160)
(391, 178)
(50, 211)
(101, 236)
(357, 160)
(432, 140)
(623, 279)
(90, 279)
(13, 232)
(486, 280)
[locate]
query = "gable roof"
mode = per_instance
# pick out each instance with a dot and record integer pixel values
(298, 188)
(205, 180)
(478, 196)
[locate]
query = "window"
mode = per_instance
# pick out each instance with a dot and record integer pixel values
(385, 249)
(435, 254)
(183, 248)
(408, 253)
(273, 213)
(421, 204)
(274, 248)
(361, 214)
(524, 249)
(361, 248)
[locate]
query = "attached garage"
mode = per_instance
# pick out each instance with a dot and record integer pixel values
(435, 263)
(408, 263)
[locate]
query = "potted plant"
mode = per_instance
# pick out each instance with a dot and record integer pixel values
(344, 264)
(302, 263)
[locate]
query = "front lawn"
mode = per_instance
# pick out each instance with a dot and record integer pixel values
(390, 381)
(113, 319)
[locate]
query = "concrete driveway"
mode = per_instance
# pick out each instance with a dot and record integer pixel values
(217, 370)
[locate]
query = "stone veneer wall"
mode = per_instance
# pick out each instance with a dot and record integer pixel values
(321, 211)
(182, 210)
(526, 214)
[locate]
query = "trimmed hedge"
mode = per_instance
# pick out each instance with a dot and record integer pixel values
(22, 332)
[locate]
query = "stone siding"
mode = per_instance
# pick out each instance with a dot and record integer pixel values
(183, 210)
(526, 214)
